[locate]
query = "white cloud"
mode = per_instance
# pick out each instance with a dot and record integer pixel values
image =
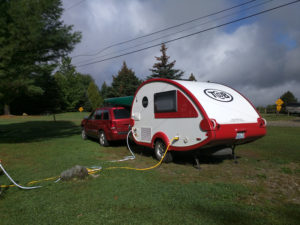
(249, 58)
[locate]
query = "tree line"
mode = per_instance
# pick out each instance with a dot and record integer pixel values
(36, 74)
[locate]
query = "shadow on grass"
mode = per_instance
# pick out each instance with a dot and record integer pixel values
(185, 157)
(32, 131)
(230, 214)
(189, 158)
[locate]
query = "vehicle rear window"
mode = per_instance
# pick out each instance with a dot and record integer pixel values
(121, 113)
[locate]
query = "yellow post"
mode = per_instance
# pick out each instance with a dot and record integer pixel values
(278, 102)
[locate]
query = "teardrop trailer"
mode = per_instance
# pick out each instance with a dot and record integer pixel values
(203, 116)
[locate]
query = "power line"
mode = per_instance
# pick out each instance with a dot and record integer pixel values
(165, 29)
(76, 4)
(216, 19)
(189, 35)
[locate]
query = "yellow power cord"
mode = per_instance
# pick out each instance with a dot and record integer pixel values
(90, 171)
(149, 168)
(93, 171)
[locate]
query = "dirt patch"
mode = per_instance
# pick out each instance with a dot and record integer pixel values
(284, 123)
(8, 116)
(18, 117)
(266, 181)
(275, 186)
(249, 154)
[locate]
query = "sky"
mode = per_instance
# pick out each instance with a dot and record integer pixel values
(258, 56)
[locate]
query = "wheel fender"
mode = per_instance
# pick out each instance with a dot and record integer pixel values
(162, 136)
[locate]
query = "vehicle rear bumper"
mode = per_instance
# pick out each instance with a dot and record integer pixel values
(117, 135)
(227, 135)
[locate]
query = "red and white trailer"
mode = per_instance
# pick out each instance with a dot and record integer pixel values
(203, 115)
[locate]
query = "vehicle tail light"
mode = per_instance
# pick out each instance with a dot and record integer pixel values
(131, 122)
(207, 125)
(113, 125)
(262, 122)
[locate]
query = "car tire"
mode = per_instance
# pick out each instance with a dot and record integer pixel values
(102, 139)
(83, 134)
(159, 151)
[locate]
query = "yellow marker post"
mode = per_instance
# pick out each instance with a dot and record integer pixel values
(279, 102)
(80, 109)
(278, 108)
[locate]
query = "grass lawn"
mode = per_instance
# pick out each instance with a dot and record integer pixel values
(263, 188)
(276, 117)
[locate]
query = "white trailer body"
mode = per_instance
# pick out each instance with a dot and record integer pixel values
(201, 114)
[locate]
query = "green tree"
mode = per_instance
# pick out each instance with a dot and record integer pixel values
(192, 77)
(104, 90)
(32, 39)
(287, 98)
(271, 108)
(72, 85)
(94, 96)
(125, 83)
(163, 68)
(50, 101)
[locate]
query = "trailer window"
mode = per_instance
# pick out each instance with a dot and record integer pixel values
(165, 102)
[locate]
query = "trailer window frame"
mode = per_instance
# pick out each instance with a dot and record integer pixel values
(165, 102)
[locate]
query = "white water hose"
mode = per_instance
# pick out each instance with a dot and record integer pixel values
(93, 169)
(132, 156)
(19, 186)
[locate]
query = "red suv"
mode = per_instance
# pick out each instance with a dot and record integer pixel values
(107, 124)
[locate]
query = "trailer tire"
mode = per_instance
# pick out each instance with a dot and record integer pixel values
(159, 150)
(102, 139)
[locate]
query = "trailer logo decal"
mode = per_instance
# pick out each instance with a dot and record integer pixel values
(218, 95)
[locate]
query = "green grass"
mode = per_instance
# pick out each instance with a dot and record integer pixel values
(263, 188)
(276, 117)
(281, 144)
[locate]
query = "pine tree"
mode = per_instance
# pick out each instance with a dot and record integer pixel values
(287, 98)
(72, 85)
(104, 90)
(192, 77)
(164, 69)
(94, 97)
(125, 83)
(32, 39)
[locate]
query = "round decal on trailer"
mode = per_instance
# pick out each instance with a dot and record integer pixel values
(218, 95)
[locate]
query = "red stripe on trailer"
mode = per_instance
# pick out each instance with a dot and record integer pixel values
(185, 109)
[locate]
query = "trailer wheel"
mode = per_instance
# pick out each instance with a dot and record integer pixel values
(159, 151)
(102, 139)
